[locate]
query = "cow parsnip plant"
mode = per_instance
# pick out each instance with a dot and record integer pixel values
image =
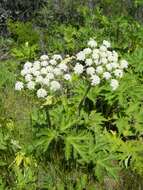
(71, 92)
(81, 132)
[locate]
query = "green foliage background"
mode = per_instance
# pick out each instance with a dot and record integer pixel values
(100, 148)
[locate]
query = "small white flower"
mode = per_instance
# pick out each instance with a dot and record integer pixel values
(123, 64)
(104, 61)
(99, 69)
(53, 62)
(92, 43)
(31, 85)
(19, 86)
(110, 58)
(106, 75)
(41, 93)
(87, 51)
(115, 54)
(44, 63)
(95, 80)
(78, 69)
(50, 76)
(97, 62)
(44, 57)
(39, 79)
(44, 71)
(106, 43)
(25, 72)
(32, 70)
(103, 54)
(90, 70)
(28, 77)
(55, 86)
(114, 58)
(95, 56)
(36, 65)
(57, 72)
(80, 56)
(35, 68)
(96, 51)
(88, 62)
(118, 73)
(114, 64)
(109, 53)
(49, 69)
(27, 65)
(36, 73)
(114, 84)
(63, 66)
(103, 48)
(109, 67)
(46, 81)
(57, 57)
(67, 77)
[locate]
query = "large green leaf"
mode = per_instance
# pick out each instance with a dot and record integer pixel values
(45, 138)
(77, 143)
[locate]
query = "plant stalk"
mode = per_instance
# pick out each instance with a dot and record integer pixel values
(48, 117)
(83, 99)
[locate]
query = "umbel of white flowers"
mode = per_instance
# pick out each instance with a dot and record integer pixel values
(96, 63)
(100, 63)
(44, 75)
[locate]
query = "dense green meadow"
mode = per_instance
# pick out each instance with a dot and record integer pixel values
(82, 133)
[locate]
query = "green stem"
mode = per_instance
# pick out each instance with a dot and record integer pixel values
(48, 116)
(83, 99)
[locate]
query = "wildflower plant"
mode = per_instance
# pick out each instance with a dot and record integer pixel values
(73, 127)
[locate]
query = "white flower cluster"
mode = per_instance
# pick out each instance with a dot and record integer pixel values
(97, 63)
(44, 75)
(100, 63)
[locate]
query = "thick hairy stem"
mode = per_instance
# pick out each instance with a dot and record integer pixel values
(48, 116)
(83, 99)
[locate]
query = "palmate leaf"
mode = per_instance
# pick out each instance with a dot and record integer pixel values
(103, 158)
(79, 89)
(130, 153)
(105, 166)
(103, 154)
(135, 115)
(136, 60)
(69, 119)
(63, 117)
(45, 137)
(95, 121)
(77, 143)
(93, 93)
(38, 117)
(67, 124)
(124, 126)
(132, 121)
(56, 115)
(130, 88)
